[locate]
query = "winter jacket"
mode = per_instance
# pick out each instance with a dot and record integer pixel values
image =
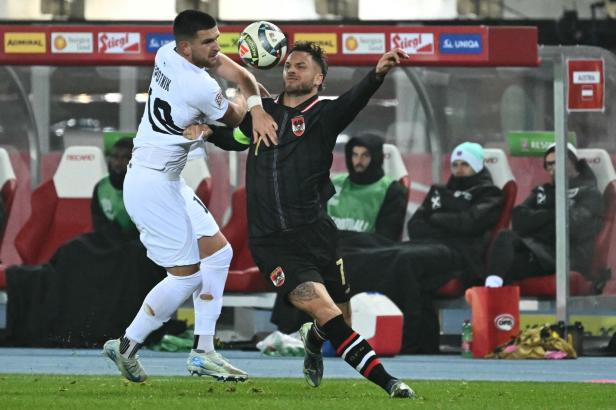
(535, 220)
(461, 215)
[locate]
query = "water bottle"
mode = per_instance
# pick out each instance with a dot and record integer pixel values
(467, 339)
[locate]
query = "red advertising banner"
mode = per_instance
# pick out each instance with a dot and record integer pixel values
(122, 44)
(586, 91)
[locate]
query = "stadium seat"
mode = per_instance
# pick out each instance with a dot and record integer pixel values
(197, 176)
(244, 276)
(545, 286)
(8, 187)
(393, 166)
(61, 206)
(496, 162)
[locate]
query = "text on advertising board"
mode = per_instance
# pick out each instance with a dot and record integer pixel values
(25, 43)
(460, 44)
(413, 43)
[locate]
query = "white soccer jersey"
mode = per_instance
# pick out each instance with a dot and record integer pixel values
(180, 94)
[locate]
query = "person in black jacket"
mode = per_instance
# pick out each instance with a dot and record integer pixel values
(529, 249)
(291, 237)
(448, 235)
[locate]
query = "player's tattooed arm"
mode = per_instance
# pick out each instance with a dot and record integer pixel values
(303, 292)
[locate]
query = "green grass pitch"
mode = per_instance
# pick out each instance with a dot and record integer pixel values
(44, 392)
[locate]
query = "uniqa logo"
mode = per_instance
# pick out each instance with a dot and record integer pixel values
(504, 322)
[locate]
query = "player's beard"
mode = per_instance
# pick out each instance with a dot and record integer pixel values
(298, 89)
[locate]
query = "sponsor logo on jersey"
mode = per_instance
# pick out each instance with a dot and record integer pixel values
(460, 44)
(327, 41)
(78, 43)
(298, 125)
(363, 43)
(504, 322)
(154, 41)
(413, 43)
(25, 43)
(119, 43)
(277, 277)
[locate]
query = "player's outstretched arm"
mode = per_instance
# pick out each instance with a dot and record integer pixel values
(263, 125)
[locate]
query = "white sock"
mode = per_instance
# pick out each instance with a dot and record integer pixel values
(162, 301)
(214, 270)
(206, 343)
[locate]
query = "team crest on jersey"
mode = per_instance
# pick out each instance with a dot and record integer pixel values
(277, 277)
(219, 99)
(298, 125)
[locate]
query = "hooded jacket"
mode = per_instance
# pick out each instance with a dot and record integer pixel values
(460, 215)
(535, 220)
(369, 201)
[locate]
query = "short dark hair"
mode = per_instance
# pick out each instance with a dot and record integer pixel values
(188, 22)
(125, 142)
(317, 53)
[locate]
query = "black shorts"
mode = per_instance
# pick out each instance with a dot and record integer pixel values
(306, 254)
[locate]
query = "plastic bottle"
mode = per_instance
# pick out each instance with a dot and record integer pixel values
(467, 339)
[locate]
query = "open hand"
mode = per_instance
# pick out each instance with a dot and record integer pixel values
(263, 127)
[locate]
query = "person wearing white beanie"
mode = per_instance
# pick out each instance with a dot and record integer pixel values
(469, 152)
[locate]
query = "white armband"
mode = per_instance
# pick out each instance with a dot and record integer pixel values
(253, 101)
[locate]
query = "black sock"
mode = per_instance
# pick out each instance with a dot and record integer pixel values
(357, 352)
(316, 338)
(195, 342)
(128, 348)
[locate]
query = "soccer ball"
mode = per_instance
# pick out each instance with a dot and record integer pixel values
(262, 45)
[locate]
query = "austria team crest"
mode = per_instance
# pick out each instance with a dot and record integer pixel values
(298, 125)
(277, 277)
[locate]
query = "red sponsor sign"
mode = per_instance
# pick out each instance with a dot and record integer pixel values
(119, 43)
(586, 90)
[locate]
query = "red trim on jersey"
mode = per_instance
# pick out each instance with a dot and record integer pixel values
(344, 344)
(368, 369)
(310, 105)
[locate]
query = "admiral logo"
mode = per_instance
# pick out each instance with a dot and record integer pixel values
(327, 41)
(504, 322)
(78, 43)
(25, 43)
(154, 41)
(413, 43)
(460, 44)
(119, 43)
(363, 43)
(80, 157)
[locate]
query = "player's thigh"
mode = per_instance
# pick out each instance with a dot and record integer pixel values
(200, 216)
(157, 208)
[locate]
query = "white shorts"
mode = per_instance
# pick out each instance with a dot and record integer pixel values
(169, 225)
